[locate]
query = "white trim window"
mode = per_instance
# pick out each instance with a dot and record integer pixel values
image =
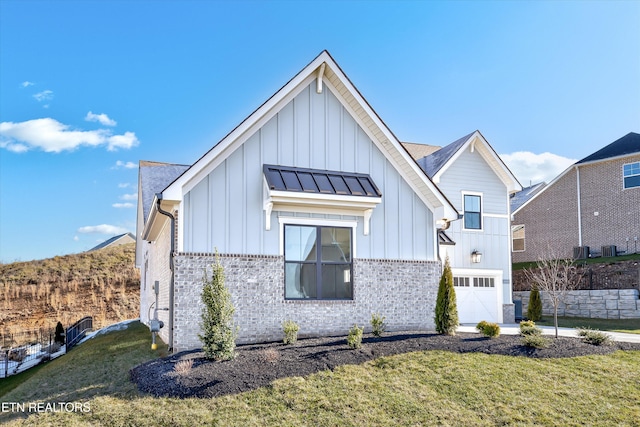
(318, 262)
(518, 238)
(631, 175)
(472, 215)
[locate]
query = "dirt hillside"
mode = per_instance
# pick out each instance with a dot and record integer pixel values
(37, 294)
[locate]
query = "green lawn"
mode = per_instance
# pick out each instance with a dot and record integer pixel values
(422, 388)
(600, 260)
(631, 326)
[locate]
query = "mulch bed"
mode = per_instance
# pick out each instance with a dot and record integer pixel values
(257, 365)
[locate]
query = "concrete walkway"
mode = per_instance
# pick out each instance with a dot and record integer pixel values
(514, 329)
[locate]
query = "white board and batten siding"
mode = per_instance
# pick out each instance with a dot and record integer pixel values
(225, 209)
(470, 174)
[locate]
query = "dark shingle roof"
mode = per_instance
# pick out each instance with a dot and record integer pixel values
(434, 162)
(628, 144)
(112, 240)
(521, 197)
(285, 178)
(154, 178)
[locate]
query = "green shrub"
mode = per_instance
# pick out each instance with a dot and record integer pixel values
(377, 324)
(446, 318)
(218, 332)
(536, 341)
(488, 329)
(290, 329)
(594, 337)
(354, 339)
(528, 327)
(534, 310)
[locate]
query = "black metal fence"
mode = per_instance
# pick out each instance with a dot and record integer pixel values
(78, 331)
(27, 348)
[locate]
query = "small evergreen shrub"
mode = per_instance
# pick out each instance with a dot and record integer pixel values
(59, 336)
(535, 341)
(528, 327)
(446, 318)
(534, 310)
(218, 332)
(594, 337)
(290, 329)
(354, 339)
(377, 324)
(488, 329)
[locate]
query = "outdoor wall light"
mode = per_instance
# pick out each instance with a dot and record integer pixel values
(476, 256)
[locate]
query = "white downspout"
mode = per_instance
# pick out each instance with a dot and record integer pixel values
(579, 207)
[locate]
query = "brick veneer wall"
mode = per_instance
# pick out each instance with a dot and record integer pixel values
(403, 291)
(596, 304)
(609, 214)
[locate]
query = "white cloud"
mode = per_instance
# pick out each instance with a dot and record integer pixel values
(126, 165)
(26, 83)
(50, 135)
(123, 205)
(133, 196)
(45, 95)
(532, 168)
(124, 185)
(101, 118)
(76, 238)
(102, 229)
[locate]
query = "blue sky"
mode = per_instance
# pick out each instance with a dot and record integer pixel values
(87, 89)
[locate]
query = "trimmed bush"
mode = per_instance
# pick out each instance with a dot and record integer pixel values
(535, 341)
(488, 329)
(377, 324)
(354, 339)
(534, 310)
(594, 337)
(218, 332)
(290, 329)
(446, 318)
(528, 327)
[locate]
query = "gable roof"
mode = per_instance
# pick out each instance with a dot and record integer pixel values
(154, 177)
(521, 197)
(628, 144)
(323, 69)
(418, 151)
(121, 239)
(438, 162)
(625, 146)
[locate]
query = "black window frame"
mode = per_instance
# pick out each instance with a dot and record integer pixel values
(319, 263)
(469, 214)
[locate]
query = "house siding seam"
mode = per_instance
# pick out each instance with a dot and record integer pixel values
(402, 291)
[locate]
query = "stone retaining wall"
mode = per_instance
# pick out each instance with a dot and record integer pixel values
(402, 291)
(597, 304)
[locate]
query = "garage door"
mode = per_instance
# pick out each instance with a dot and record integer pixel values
(478, 299)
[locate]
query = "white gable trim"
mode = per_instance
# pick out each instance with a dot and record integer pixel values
(357, 107)
(476, 142)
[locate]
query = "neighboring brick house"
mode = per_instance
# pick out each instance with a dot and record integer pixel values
(595, 203)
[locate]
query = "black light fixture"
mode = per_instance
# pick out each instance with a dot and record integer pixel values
(476, 256)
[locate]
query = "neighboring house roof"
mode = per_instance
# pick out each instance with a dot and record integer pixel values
(323, 69)
(121, 239)
(154, 177)
(628, 144)
(437, 163)
(625, 146)
(282, 178)
(521, 197)
(418, 151)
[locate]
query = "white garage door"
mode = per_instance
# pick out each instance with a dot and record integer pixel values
(478, 299)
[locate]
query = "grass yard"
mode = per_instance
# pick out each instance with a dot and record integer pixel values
(422, 388)
(630, 326)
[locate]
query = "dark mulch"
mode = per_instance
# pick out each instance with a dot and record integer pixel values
(257, 365)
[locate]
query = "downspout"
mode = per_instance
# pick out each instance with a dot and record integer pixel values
(171, 253)
(579, 207)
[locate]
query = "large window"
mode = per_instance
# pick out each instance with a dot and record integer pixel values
(317, 262)
(472, 213)
(517, 236)
(631, 175)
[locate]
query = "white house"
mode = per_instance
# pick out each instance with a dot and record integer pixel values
(319, 213)
(478, 183)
